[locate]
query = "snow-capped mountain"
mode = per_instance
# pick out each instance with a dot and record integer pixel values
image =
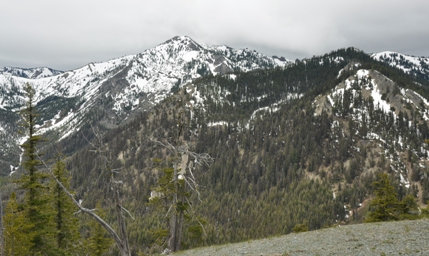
(109, 92)
(32, 73)
(417, 66)
(135, 80)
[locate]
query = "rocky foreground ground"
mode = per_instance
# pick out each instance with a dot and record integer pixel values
(382, 238)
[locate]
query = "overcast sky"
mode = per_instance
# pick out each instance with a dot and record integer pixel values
(69, 34)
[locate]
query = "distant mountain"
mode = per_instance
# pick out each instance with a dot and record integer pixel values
(416, 66)
(104, 94)
(31, 73)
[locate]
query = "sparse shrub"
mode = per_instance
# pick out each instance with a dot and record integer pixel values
(300, 228)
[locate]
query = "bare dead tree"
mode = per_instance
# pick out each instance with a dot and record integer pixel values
(115, 186)
(91, 212)
(183, 167)
(120, 237)
(1, 226)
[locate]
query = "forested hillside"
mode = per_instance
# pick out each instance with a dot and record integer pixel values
(292, 147)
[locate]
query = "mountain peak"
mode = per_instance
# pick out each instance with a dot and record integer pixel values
(180, 42)
(181, 38)
(128, 84)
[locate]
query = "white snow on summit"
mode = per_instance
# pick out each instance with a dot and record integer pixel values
(128, 82)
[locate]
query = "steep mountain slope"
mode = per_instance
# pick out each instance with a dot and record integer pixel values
(383, 120)
(104, 94)
(299, 145)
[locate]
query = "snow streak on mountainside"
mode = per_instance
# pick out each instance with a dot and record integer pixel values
(366, 92)
(417, 66)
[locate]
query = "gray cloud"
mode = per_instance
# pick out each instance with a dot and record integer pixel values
(66, 35)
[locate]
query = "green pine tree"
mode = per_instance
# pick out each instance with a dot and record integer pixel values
(36, 208)
(385, 206)
(409, 208)
(15, 240)
(99, 241)
(67, 236)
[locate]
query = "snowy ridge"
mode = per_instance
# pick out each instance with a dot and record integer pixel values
(32, 73)
(124, 84)
(374, 84)
(409, 64)
(362, 81)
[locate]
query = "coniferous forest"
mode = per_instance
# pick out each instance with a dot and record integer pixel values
(227, 158)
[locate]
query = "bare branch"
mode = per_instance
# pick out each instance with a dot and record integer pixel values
(128, 212)
(169, 209)
(193, 188)
(90, 212)
(199, 158)
(186, 161)
(199, 222)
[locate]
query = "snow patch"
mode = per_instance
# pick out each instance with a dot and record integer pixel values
(232, 76)
(378, 101)
(405, 182)
(404, 62)
(362, 73)
(218, 123)
(189, 56)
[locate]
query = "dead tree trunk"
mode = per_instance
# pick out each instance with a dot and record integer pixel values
(176, 222)
(1, 225)
(121, 220)
(115, 187)
(183, 179)
(176, 219)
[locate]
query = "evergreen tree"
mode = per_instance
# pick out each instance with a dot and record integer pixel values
(36, 208)
(385, 205)
(15, 240)
(67, 235)
(98, 242)
(408, 207)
